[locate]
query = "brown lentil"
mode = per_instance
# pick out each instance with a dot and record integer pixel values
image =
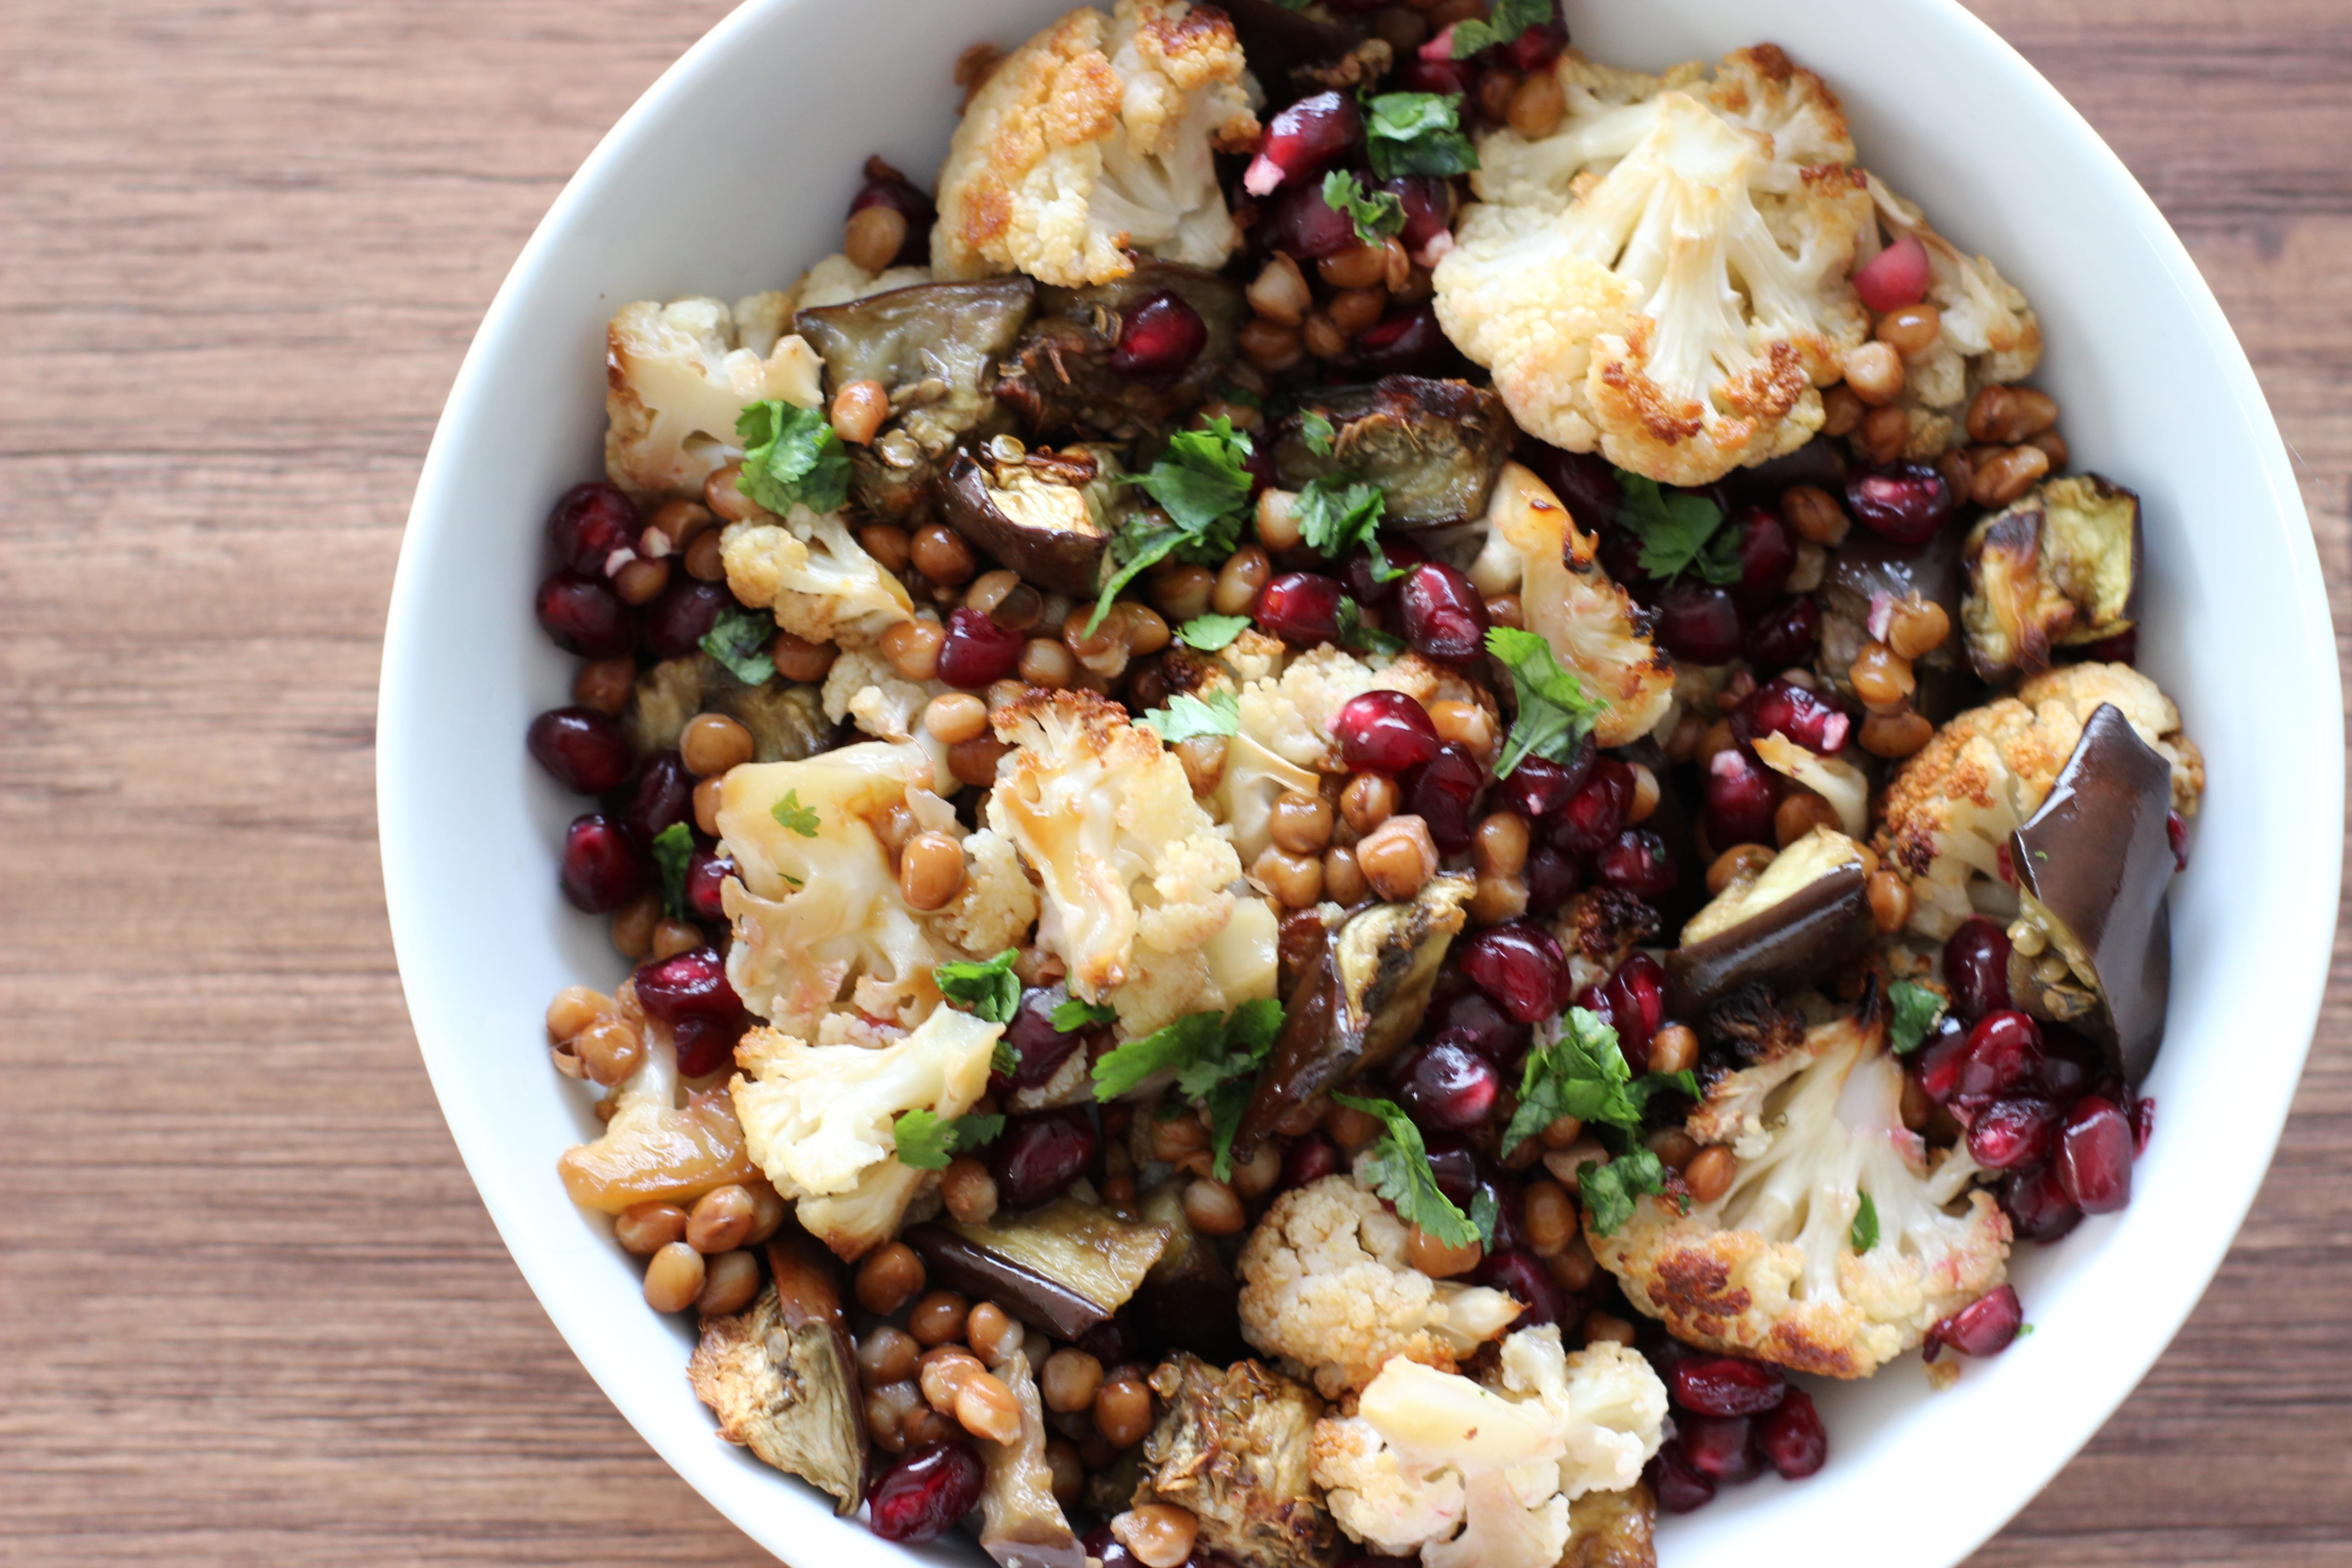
(1674, 1049)
(1343, 879)
(940, 553)
(1123, 1407)
(888, 1278)
(711, 743)
(1561, 1132)
(1352, 310)
(974, 762)
(944, 1369)
(606, 684)
(913, 649)
(1436, 1259)
(1708, 1176)
(1463, 724)
(2007, 475)
(1370, 800)
(873, 237)
(889, 546)
(1875, 372)
(1507, 610)
(1182, 591)
(931, 870)
(573, 1008)
(1279, 293)
(1067, 1470)
(1573, 1266)
(1911, 331)
(1890, 901)
(729, 1280)
(1799, 814)
(939, 1318)
(640, 581)
(1891, 735)
(1608, 1327)
(1739, 861)
(1244, 573)
(1069, 1379)
(610, 1049)
(1254, 1177)
(1500, 846)
(2053, 446)
(1046, 662)
(1159, 1534)
(1840, 411)
(1323, 337)
(1397, 857)
(1358, 266)
(1916, 626)
(674, 1278)
(1271, 345)
(706, 558)
(633, 925)
(720, 1220)
(1213, 1208)
(1278, 519)
(1300, 823)
(888, 1408)
(797, 658)
(2000, 415)
(724, 495)
(1350, 1128)
(1146, 631)
(968, 1191)
(887, 1355)
(1645, 794)
(644, 1229)
(1550, 1219)
(1673, 1146)
(1203, 760)
(1536, 108)
(954, 716)
(992, 1332)
(1883, 434)
(1495, 900)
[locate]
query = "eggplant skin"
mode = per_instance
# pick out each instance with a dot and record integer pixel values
(785, 1386)
(1233, 1445)
(1434, 448)
(1058, 378)
(2059, 568)
(1063, 552)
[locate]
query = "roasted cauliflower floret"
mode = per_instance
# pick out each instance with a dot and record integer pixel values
(818, 1118)
(1990, 334)
(1950, 810)
(1470, 1476)
(1233, 1445)
(677, 376)
(1769, 1269)
(809, 570)
(655, 1149)
(1094, 138)
(1326, 1285)
(837, 280)
(1664, 278)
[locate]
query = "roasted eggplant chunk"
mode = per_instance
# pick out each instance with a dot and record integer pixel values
(786, 720)
(1048, 515)
(934, 347)
(1356, 1007)
(1613, 1530)
(1232, 1445)
(1800, 917)
(1432, 448)
(783, 1376)
(2092, 869)
(1060, 377)
(1021, 1525)
(2058, 569)
(1869, 570)
(1068, 1266)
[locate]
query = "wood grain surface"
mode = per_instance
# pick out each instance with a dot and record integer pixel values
(242, 249)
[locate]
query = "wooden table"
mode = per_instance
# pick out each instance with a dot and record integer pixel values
(250, 1310)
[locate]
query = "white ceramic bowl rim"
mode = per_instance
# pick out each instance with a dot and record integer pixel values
(458, 627)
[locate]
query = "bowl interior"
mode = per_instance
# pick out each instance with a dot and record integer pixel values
(731, 176)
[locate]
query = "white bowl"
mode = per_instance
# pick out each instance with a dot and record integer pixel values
(731, 174)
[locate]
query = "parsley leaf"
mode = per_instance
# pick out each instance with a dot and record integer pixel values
(673, 848)
(738, 639)
(1609, 1191)
(1511, 18)
(1211, 633)
(789, 813)
(1335, 515)
(990, 991)
(1376, 214)
(790, 457)
(1187, 716)
(1555, 715)
(1215, 1058)
(1679, 531)
(1580, 1071)
(1399, 1169)
(1864, 1235)
(1418, 134)
(927, 1143)
(1315, 429)
(1079, 1014)
(1203, 493)
(1917, 1011)
(1117, 1072)
(1360, 638)
(1485, 1210)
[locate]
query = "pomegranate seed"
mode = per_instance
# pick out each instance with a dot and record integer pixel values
(1976, 967)
(1041, 1154)
(1791, 1437)
(1783, 708)
(2143, 1120)
(1586, 482)
(677, 621)
(2095, 1156)
(600, 866)
(1421, 74)
(1986, 1326)
(1940, 1066)
(1310, 1159)
(1402, 556)
(690, 984)
(1385, 731)
(1633, 1003)
(2037, 1205)
(1407, 342)
(2003, 1054)
(589, 524)
(1538, 786)
(1620, 557)
(1783, 634)
(664, 795)
(1302, 608)
(1895, 277)
(2176, 833)
(1697, 622)
(1303, 139)
(1162, 337)
(1521, 966)
(2069, 1064)
(2008, 1133)
(1681, 1489)
(1638, 862)
(918, 1498)
(1511, 1211)
(705, 874)
(977, 652)
(1726, 1385)
(1552, 876)
(1451, 1085)
(1596, 813)
(582, 616)
(1102, 1545)
(1741, 799)
(884, 188)
(1041, 1048)
(2121, 649)
(1765, 553)
(1535, 48)
(1428, 203)
(581, 749)
(706, 1045)
(1443, 793)
(1905, 502)
(1520, 1274)
(1309, 228)
(1112, 1343)
(1444, 619)
(1473, 1021)
(1454, 1166)
(1721, 1446)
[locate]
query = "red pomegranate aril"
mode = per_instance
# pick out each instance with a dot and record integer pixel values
(1453, 1165)
(1520, 1274)
(1404, 342)
(1112, 1343)
(1302, 608)
(1538, 786)
(1385, 732)
(1726, 1385)
(663, 794)
(1553, 876)
(1741, 799)
(690, 984)
(1638, 862)
(582, 616)
(2176, 833)
(2004, 1055)
(1721, 1446)
(581, 749)
(2008, 1133)
(1679, 1485)
(1521, 966)
(2095, 1156)
(589, 524)
(1535, 48)
(677, 622)
(1303, 139)
(600, 870)
(2069, 1064)
(1792, 1438)
(1368, 588)
(1697, 622)
(1418, 74)
(923, 1494)
(1444, 619)
(1783, 708)
(1428, 203)
(706, 1045)
(1939, 1066)
(1986, 1326)
(1040, 1155)
(2143, 1120)
(1041, 1047)
(1162, 336)
(1905, 502)
(1765, 553)
(1596, 813)
(705, 874)
(2037, 1205)
(1783, 634)
(977, 652)
(1309, 228)
(1634, 1002)
(1109, 1550)
(1310, 1159)
(1586, 482)
(1443, 793)
(1505, 1193)
(1620, 557)
(1452, 1085)
(1976, 967)
(1472, 1019)
(1895, 277)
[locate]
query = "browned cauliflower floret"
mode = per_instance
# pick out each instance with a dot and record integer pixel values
(810, 572)
(655, 1149)
(1664, 277)
(1325, 1284)
(1769, 1269)
(1094, 138)
(677, 376)
(1290, 714)
(1950, 810)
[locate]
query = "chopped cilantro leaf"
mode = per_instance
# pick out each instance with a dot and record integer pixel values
(1417, 133)
(1116, 1072)
(1579, 1071)
(1005, 1059)
(1360, 638)
(1376, 214)
(1917, 1010)
(1609, 1191)
(1555, 715)
(1335, 514)
(1187, 716)
(1485, 1210)
(990, 990)
(1864, 1234)
(1079, 1014)
(738, 639)
(1215, 1058)
(673, 848)
(1203, 493)
(1212, 633)
(791, 457)
(1679, 531)
(1510, 18)
(1315, 428)
(927, 1143)
(1399, 1169)
(790, 813)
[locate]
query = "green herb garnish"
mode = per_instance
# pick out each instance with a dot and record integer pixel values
(1609, 1191)
(1680, 533)
(1917, 1011)
(791, 457)
(927, 1143)
(738, 639)
(1510, 18)
(1203, 493)
(1187, 716)
(790, 813)
(1417, 133)
(1399, 1169)
(1079, 1014)
(672, 848)
(1212, 633)
(1315, 428)
(1358, 637)
(1555, 715)
(990, 990)
(1864, 1234)
(1376, 214)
